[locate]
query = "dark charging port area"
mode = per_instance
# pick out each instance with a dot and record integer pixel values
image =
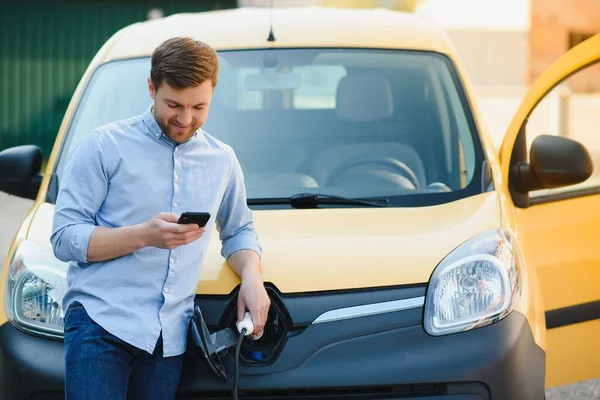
(264, 350)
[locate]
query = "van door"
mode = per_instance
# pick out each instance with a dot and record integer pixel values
(560, 227)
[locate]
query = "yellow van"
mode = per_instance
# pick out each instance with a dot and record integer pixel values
(406, 255)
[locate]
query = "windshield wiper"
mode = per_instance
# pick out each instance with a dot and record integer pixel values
(312, 200)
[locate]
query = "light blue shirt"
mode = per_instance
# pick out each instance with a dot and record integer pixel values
(126, 173)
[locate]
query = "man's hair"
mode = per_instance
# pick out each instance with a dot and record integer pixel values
(184, 63)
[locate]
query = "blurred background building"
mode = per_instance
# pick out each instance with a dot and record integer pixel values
(557, 26)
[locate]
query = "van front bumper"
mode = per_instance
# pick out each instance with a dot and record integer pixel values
(325, 361)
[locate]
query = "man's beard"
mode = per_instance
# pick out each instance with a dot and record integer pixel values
(178, 136)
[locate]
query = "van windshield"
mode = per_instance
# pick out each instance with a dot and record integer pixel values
(356, 123)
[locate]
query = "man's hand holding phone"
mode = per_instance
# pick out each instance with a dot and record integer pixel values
(165, 232)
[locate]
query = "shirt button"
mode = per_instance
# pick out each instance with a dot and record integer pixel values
(175, 204)
(176, 176)
(166, 290)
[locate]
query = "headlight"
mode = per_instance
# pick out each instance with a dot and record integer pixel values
(36, 285)
(475, 285)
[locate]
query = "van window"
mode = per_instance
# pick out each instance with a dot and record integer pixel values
(347, 122)
(319, 86)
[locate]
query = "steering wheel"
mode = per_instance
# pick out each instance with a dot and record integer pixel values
(397, 166)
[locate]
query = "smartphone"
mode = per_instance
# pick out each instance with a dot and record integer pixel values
(200, 218)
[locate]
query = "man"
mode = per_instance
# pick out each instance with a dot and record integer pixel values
(133, 269)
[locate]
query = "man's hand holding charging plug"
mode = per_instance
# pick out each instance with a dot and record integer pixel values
(252, 296)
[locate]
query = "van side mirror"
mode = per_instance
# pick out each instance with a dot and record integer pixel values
(20, 169)
(555, 161)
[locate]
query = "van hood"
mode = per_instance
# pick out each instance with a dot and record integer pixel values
(346, 248)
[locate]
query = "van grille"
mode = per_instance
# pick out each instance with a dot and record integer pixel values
(379, 392)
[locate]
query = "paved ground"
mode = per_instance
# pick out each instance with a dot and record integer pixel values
(13, 209)
(588, 390)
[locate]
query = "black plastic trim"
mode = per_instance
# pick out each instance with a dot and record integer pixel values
(303, 308)
(519, 155)
(499, 361)
(573, 315)
(567, 195)
(431, 391)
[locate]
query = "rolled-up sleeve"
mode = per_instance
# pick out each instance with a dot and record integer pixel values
(235, 220)
(82, 190)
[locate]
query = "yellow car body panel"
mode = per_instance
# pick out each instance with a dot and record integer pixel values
(347, 248)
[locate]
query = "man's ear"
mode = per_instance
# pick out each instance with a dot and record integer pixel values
(151, 89)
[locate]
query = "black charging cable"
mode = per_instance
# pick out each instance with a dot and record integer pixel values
(236, 374)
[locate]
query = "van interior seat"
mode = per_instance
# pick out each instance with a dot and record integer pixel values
(364, 107)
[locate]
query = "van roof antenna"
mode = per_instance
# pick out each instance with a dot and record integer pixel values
(271, 37)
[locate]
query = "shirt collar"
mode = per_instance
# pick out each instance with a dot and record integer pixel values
(155, 129)
(151, 123)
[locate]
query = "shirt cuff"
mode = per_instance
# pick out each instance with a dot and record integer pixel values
(80, 240)
(242, 241)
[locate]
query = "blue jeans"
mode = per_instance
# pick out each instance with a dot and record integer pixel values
(98, 365)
